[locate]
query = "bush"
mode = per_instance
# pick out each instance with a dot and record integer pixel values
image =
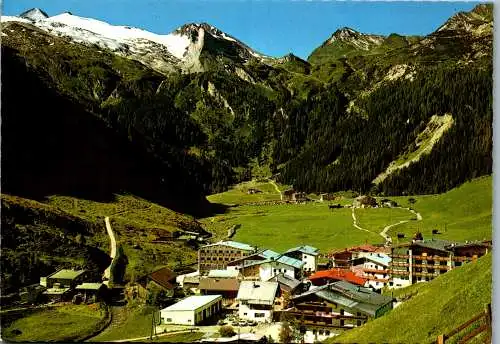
(226, 331)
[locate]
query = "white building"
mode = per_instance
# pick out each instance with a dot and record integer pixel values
(376, 270)
(288, 266)
(307, 254)
(257, 300)
(192, 310)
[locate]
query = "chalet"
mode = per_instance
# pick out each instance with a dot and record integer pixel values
(287, 284)
(249, 266)
(256, 300)
(349, 257)
(220, 254)
(307, 254)
(164, 279)
(339, 305)
(291, 195)
(283, 264)
(226, 287)
(287, 195)
(422, 260)
(321, 278)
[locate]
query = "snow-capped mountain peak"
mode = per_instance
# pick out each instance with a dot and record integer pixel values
(180, 49)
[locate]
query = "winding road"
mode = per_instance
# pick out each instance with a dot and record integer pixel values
(383, 234)
(112, 253)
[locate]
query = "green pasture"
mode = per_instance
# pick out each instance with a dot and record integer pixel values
(65, 323)
(280, 227)
(464, 213)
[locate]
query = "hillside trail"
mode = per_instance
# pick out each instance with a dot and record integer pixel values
(112, 254)
(355, 222)
(383, 234)
(387, 238)
(275, 186)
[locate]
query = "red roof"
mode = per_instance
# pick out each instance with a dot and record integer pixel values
(338, 275)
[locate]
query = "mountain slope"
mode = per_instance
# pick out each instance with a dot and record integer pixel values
(331, 123)
(462, 292)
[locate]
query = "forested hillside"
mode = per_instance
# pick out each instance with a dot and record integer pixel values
(334, 122)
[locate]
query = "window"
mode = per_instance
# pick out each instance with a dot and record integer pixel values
(260, 315)
(320, 332)
(327, 332)
(245, 313)
(169, 319)
(314, 331)
(189, 320)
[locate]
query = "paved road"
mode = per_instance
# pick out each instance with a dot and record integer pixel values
(112, 253)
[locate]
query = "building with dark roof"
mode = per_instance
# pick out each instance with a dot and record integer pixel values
(338, 305)
(163, 279)
(423, 260)
(227, 287)
(218, 255)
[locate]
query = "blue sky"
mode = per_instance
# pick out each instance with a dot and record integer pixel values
(274, 27)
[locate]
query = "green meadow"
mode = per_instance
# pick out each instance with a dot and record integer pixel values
(463, 214)
(280, 227)
(65, 323)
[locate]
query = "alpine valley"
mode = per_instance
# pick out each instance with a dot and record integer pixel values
(100, 119)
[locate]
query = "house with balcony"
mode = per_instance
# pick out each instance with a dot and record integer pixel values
(217, 256)
(423, 260)
(338, 305)
(256, 299)
(306, 253)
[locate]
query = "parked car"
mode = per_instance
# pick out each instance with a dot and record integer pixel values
(221, 322)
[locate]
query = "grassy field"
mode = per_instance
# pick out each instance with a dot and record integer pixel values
(464, 213)
(137, 324)
(437, 307)
(284, 226)
(66, 323)
(375, 219)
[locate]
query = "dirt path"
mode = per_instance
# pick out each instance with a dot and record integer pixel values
(387, 238)
(112, 253)
(355, 222)
(275, 186)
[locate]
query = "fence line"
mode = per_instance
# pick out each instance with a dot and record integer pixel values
(485, 327)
